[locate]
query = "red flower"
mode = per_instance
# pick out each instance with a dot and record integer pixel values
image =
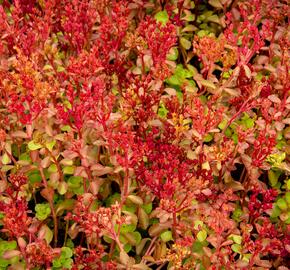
(263, 146)
(15, 220)
(159, 38)
(258, 206)
(39, 253)
(17, 181)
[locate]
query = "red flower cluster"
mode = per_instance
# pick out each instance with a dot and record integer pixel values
(257, 205)
(16, 220)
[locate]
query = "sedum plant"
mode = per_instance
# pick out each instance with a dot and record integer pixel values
(144, 134)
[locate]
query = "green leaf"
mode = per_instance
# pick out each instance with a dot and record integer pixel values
(174, 80)
(5, 159)
(47, 67)
(68, 169)
(66, 128)
(227, 75)
(52, 168)
(228, 132)
(132, 208)
(198, 224)
(192, 71)
(179, 76)
(201, 235)
(281, 144)
(223, 124)
(273, 178)
(162, 111)
(179, 95)
(287, 197)
(203, 99)
(67, 104)
(7, 245)
(208, 137)
(214, 18)
(247, 121)
(34, 177)
(67, 204)
(126, 228)
(203, 33)
(197, 246)
(112, 199)
(276, 159)
(237, 239)
(182, 72)
(107, 239)
(237, 214)
(6, 168)
(57, 263)
(62, 188)
(173, 54)
(137, 237)
(162, 17)
(48, 233)
(50, 145)
(25, 157)
(236, 248)
(147, 208)
(186, 44)
(42, 211)
(75, 182)
(189, 17)
(4, 263)
(127, 247)
(60, 69)
(122, 237)
(282, 204)
(66, 252)
(131, 239)
(67, 264)
(64, 261)
(235, 138)
(275, 212)
(34, 146)
(79, 191)
(166, 236)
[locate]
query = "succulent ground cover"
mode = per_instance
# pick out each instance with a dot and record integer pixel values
(144, 134)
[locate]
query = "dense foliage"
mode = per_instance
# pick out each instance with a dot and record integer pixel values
(144, 134)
